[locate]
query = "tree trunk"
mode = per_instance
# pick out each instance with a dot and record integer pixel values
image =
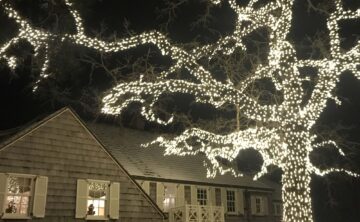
(296, 184)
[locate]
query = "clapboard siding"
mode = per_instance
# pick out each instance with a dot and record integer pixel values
(64, 151)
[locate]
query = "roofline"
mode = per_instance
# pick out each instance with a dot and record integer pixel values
(7, 143)
(201, 183)
(32, 127)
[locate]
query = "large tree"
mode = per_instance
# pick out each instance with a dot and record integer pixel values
(282, 132)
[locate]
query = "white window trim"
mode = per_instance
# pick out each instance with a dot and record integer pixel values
(31, 202)
(226, 202)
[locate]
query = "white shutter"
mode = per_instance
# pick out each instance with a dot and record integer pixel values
(237, 201)
(240, 201)
(146, 186)
(180, 196)
(253, 205)
(264, 208)
(41, 185)
(160, 195)
(223, 199)
(3, 186)
(81, 198)
(212, 196)
(114, 200)
(194, 200)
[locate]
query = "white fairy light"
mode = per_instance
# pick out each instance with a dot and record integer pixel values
(285, 137)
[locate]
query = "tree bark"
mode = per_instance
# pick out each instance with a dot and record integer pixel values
(296, 183)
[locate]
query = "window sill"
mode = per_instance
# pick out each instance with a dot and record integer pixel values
(15, 217)
(90, 217)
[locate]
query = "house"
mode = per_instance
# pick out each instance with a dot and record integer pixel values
(62, 169)
(179, 184)
(56, 170)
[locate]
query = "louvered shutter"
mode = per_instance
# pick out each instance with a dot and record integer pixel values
(264, 208)
(212, 196)
(223, 199)
(194, 200)
(3, 186)
(81, 198)
(160, 195)
(180, 196)
(41, 185)
(237, 201)
(114, 200)
(253, 205)
(240, 201)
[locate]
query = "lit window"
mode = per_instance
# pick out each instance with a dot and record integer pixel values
(169, 197)
(230, 200)
(19, 195)
(202, 196)
(23, 196)
(96, 202)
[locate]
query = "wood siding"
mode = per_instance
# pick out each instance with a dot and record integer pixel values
(64, 151)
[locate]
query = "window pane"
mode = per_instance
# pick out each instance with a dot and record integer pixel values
(18, 195)
(202, 196)
(97, 198)
(230, 200)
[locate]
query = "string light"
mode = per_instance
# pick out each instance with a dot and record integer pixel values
(285, 137)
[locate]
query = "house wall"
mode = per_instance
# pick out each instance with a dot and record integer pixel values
(64, 151)
(243, 198)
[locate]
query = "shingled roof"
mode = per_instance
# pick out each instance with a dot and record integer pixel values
(125, 145)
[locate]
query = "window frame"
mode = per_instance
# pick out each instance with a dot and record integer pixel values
(277, 206)
(28, 215)
(205, 196)
(106, 204)
(234, 201)
(258, 198)
(218, 197)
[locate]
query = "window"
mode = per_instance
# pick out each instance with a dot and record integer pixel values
(152, 191)
(218, 197)
(277, 209)
(97, 200)
(258, 205)
(169, 197)
(202, 196)
(22, 196)
(230, 200)
(19, 194)
(187, 194)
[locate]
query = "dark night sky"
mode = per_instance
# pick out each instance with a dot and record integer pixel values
(336, 197)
